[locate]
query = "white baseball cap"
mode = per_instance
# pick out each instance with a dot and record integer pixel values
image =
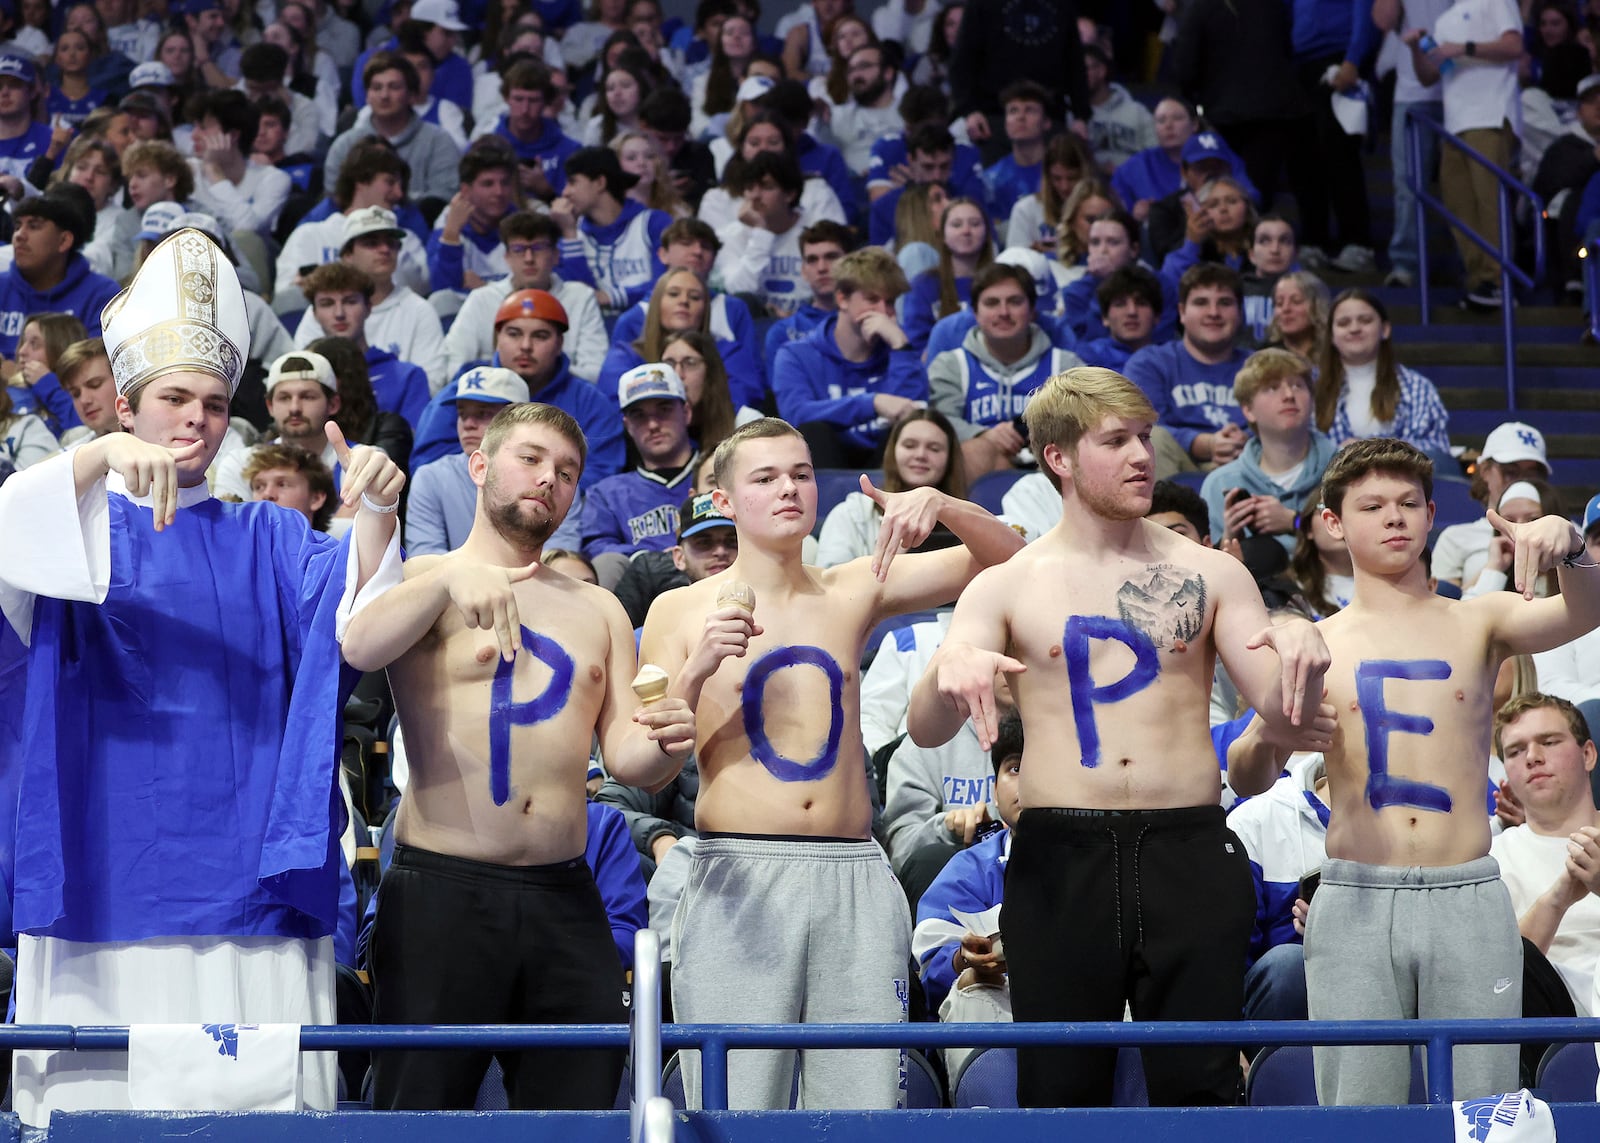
(1515, 441)
(492, 385)
(302, 365)
(159, 220)
(643, 382)
(369, 220)
(754, 87)
(441, 12)
(153, 73)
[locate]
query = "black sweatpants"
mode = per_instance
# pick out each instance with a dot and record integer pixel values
(464, 942)
(1151, 907)
(1325, 171)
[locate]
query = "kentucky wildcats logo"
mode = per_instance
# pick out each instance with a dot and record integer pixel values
(227, 1037)
(1483, 1115)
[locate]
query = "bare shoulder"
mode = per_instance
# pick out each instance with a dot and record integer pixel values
(597, 599)
(417, 565)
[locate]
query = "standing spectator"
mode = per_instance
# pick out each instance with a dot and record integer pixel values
(871, 111)
(856, 373)
(1120, 126)
(1028, 121)
(1475, 61)
(1362, 391)
(1002, 42)
(608, 241)
(1333, 41)
(443, 499)
(1411, 95)
(391, 85)
(1234, 58)
(1190, 381)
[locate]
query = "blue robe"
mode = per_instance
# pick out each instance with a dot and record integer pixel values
(182, 736)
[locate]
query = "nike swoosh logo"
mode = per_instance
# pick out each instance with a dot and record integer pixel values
(1501, 987)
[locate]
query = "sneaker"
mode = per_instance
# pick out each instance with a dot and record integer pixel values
(1401, 278)
(1356, 260)
(1484, 298)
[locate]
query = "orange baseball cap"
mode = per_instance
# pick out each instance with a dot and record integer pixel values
(531, 304)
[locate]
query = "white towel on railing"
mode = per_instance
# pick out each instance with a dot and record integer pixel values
(1516, 1117)
(214, 1067)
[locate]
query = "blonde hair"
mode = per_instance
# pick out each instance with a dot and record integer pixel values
(1315, 292)
(652, 340)
(871, 268)
(513, 417)
(1264, 369)
(1074, 402)
(77, 355)
(767, 428)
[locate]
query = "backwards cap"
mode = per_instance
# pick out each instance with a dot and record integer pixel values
(184, 311)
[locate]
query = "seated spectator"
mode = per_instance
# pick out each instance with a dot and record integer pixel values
(1512, 452)
(871, 112)
(302, 396)
(1091, 199)
(1037, 216)
(1130, 301)
(465, 249)
(821, 246)
(34, 385)
(241, 195)
(1120, 126)
(962, 973)
(340, 298)
(1522, 502)
(48, 274)
(1568, 165)
(1362, 391)
(1259, 493)
(1549, 862)
(264, 68)
(855, 374)
(843, 36)
(965, 247)
(573, 565)
(695, 358)
(272, 150)
(749, 101)
(1299, 316)
(529, 329)
(707, 544)
(436, 27)
(664, 117)
(607, 241)
(889, 165)
(85, 373)
(1572, 671)
(1028, 121)
(533, 249)
(447, 115)
(23, 139)
(760, 256)
(1190, 381)
(763, 132)
(150, 118)
(916, 225)
(680, 302)
(983, 386)
(155, 172)
(933, 65)
(71, 97)
(401, 322)
(24, 438)
(930, 161)
(1206, 158)
(1555, 61)
(713, 93)
(1154, 173)
(1219, 229)
(389, 84)
(923, 452)
(886, 684)
(637, 153)
(617, 100)
(638, 510)
(542, 148)
(1113, 243)
(1320, 564)
(359, 417)
(443, 499)
(1285, 834)
(291, 478)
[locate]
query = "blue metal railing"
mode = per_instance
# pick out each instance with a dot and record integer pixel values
(1438, 1037)
(1503, 252)
(1590, 255)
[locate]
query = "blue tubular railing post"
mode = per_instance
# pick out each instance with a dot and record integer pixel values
(1591, 283)
(1441, 1068)
(646, 1028)
(1507, 300)
(714, 1073)
(1415, 176)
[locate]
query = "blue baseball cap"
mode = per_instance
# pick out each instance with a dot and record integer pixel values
(1591, 513)
(1203, 145)
(17, 67)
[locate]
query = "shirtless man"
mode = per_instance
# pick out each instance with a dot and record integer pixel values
(1124, 883)
(1408, 812)
(791, 912)
(489, 913)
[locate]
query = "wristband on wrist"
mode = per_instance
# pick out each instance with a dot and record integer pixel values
(381, 509)
(1570, 560)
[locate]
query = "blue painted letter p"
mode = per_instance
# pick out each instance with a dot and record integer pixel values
(1075, 649)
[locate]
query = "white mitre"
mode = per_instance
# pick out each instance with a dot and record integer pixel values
(184, 312)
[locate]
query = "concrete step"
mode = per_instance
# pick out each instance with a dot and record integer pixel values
(1579, 425)
(1489, 352)
(1538, 386)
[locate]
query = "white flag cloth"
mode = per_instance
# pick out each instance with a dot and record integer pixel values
(214, 1067)
(1516, 1117)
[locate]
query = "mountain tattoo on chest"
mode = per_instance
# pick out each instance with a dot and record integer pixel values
(1166, 603)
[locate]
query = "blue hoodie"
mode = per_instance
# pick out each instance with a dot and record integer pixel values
(1006, 181)
(619, 259)
(447, 263)
(81, 292)
(827, 162)
(1190, 396)
(1149, 174)
(550, 150)
(795, 327)
(1324, 29)
(47, 400)
(399, 386)
(813, 381)
(597, 417)
(973, 881)
(920, 311)
(1245, 472)
(735, 334)
(966, 171)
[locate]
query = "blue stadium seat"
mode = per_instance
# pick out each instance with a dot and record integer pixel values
(1453, 504)
(988, 489)
(833, 485)
(1568, 1073)
(988, 1078)
(1284, 1077)
(492, 1092)
(1189, 479)
(672, 1083)
(1127, 1086)
(923, 1089)
(885, 629)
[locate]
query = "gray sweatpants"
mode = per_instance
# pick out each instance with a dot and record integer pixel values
(788, 931)
(1397, 942)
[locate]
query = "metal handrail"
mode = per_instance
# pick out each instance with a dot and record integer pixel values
(1503, 254)
(1590, 254)
(646, 1030)
(1438, 1037)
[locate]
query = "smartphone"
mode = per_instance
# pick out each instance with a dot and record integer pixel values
(1308, 885)
(305, 271)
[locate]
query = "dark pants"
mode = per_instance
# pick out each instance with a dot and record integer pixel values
(463, 942)
(1151, 907)
(1266, 147)
(1325, 172)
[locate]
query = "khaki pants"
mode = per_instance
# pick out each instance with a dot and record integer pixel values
(1472, 194)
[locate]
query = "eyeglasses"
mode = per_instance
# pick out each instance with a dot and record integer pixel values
(524, 249)
(682, 363)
